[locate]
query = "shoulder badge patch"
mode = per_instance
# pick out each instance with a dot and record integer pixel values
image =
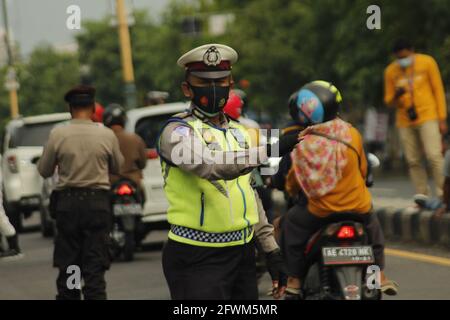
(182, 131)
(208, 136)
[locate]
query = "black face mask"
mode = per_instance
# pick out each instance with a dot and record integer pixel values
(211, 99)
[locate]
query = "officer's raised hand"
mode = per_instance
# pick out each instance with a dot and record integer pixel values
(283, 146)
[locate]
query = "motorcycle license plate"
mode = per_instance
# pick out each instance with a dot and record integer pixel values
(347, 255)
(127, 209)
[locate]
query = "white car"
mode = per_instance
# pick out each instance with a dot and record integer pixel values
(22, 145)
(147, 122)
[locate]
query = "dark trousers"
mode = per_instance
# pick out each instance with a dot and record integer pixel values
(83, 219)
(299, 225)
(265, 194)
(201, 273)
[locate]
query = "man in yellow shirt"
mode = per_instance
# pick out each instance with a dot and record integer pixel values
(414, 86)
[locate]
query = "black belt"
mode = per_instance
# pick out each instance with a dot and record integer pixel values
(82, 191)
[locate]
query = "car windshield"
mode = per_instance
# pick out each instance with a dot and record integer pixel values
(31, 135)
(149, 128)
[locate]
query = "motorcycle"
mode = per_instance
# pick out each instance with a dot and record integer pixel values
(127, 214)
(338, 258)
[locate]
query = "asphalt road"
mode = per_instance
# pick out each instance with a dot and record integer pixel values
(34, 278)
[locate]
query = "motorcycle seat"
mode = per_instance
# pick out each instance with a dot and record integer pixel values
(346, 216)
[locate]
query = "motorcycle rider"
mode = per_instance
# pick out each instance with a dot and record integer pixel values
(98, 113)
(237, 101)
(330, 167)
(278, 180)
(234, 108)
(131, 146)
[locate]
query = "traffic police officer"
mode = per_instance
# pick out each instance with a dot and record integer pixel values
(83, 153)
(206, 163)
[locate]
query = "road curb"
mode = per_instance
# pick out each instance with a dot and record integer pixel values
(386, 217)
(409, 223)
(413, 224)
(425, 229)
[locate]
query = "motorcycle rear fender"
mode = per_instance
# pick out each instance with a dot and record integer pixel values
(128, 223)
(350, 281)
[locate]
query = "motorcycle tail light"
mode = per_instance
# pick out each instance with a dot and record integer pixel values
(331, 229)
(360, 230)
(124, 190)
(12, 164)
(346, 232)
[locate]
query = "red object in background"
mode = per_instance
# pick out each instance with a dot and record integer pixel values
(234, 105)
(124, 189)
(12, 163)
(346, 232)
(244, 84)
(152, 154)
(204, 101)
(98, 114)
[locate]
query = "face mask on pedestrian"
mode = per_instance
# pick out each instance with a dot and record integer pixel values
(210, 99)
(405, 62)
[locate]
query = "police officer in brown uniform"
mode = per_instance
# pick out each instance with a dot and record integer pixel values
(84, 153)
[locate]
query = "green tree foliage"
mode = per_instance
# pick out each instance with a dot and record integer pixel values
(155, 49)
(282, 44)
(44, 78)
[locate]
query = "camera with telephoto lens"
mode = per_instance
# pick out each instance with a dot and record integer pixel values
(412, 114)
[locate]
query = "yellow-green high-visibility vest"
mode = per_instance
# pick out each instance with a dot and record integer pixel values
(217, 213)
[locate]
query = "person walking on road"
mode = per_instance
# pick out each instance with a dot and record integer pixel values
(414, 86)
(206, 160)
(84, 154)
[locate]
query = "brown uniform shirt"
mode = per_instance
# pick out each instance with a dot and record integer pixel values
(133, 150)
(84, 153)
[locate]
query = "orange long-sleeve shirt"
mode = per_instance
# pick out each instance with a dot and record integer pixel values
(350, 194)
(428, 90)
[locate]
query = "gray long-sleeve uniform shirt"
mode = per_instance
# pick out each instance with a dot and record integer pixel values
(84, 153)
(181, 137)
